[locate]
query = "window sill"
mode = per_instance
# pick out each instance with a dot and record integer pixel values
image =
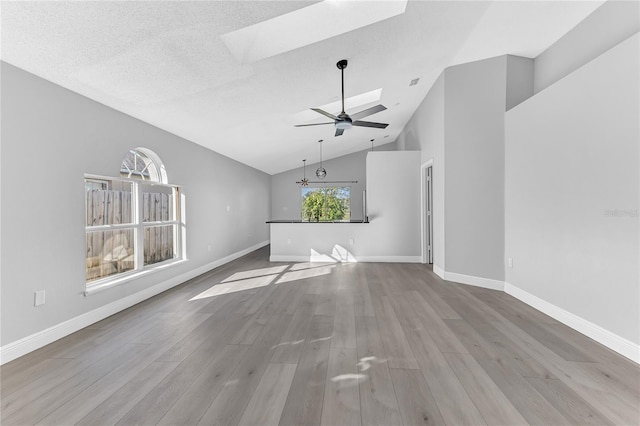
(106, 284)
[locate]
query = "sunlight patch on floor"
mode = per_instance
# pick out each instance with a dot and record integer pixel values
(353, 379)
(253, 273)
(365, 363)
(310, 265)
(304, 274)
(262, 277)
(321, 339)
(289, 343)
(348, 380)
(232, 287)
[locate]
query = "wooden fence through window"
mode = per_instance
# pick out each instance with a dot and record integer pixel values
(112, 251)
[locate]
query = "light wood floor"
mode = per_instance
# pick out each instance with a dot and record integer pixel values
(262, 343)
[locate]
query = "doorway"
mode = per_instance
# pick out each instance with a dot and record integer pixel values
(427, 215)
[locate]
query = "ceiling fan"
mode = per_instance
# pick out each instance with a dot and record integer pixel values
(343, 120)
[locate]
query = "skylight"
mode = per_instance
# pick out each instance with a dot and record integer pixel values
(306, 26)
(351, 104)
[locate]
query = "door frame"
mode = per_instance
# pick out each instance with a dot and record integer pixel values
(423, 209)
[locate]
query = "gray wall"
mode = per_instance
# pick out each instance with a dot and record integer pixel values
(572, 158)
(425, 132)
(519, 80)
(393, 188)
(607, 26)
(460, 127)
(565, 172)
(286, 201)
(475, 96)
(569, 156)
(51, 137)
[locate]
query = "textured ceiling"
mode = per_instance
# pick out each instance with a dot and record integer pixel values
(166, 64)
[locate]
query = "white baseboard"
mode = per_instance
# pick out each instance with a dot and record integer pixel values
(231, 257)
(287, 258)
(42, 338)
(326, 258)
(474, 281)
(438, 271)
(391, 259)
(614, 342)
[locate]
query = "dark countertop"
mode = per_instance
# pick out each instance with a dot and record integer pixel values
(301, 221)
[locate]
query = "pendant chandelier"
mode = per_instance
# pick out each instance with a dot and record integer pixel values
(321, 173)
(304, 181)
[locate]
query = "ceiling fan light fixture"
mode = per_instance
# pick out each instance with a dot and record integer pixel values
(343, 125)
(344, 121)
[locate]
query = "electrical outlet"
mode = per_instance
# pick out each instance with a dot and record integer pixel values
(289, 241)
(209, 247)
(38, 298)
(510, 262)
(352, 241)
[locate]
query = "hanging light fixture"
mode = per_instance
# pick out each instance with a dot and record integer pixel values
(372, 145)
(304, 181)
(321, 173)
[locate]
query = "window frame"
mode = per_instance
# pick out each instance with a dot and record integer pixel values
(138, 226)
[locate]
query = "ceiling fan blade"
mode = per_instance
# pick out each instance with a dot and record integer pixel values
(367, 112)
(314, 124)
(339, 132)
(325, 113)
(370, 124)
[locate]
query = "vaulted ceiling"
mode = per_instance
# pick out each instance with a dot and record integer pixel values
(188, 67)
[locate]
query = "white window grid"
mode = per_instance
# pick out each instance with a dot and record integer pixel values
(138, 226)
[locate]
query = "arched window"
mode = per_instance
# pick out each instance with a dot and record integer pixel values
(142, 163)
(133, 222)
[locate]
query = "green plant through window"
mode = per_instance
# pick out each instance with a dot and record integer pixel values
(326, 204)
